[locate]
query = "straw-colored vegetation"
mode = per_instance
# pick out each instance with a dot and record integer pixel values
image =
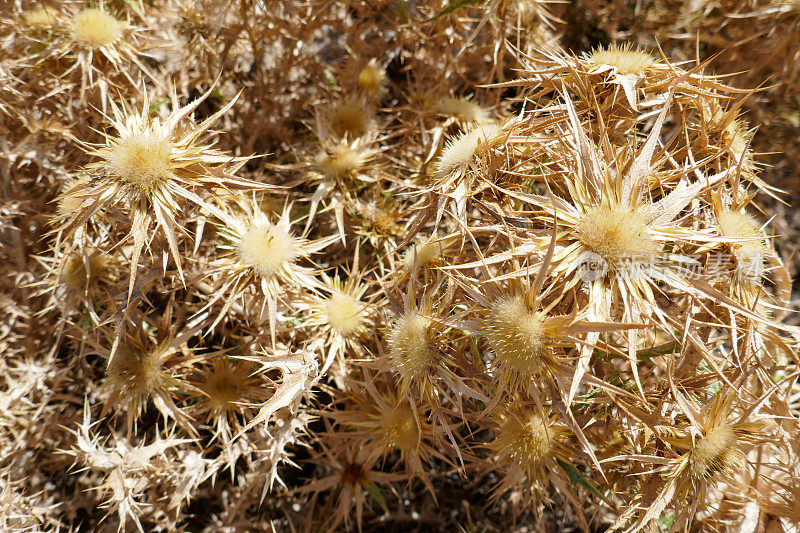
(385, 265)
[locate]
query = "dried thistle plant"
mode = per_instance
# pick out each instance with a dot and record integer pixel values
(338, 265)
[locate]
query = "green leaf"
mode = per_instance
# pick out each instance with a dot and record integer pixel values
(667, 519)
(476, 353)
(455, 5)
(329, 76)
(137, 8)
(576, 478)
(375, 493)
(155, 105)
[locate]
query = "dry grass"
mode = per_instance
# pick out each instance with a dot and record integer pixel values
(379, 265)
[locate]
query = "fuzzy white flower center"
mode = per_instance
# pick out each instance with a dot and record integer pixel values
(141, 159)
(516, 335)
(267, 248)
(615, 234)
(625, 61)
(95, 28)
(344, 314)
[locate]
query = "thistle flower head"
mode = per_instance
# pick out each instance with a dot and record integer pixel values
(141, 371)
(749, 252)
(616, 234)
(142, 160)
(423, 253)
(98, 45)
(625, 59)
(263, 253)
(399, 427)
(71, 200)
(351, 473)
(606, 217)
(343, 158)
(156, 170)
(715, 452)
(412, 352)
(460, 151)
(341, 312)
(227, 388)
(82, 280)
(528, 439)
(349, 119)
(75, 276)
(268, 248)
(740, 225)
(462, 109)
(524, 438)
(136, 375)
(517, 335)
(135, 372)
(388, 421)
(95, 27)
(262, 248)
(379, 221)
(731, 132)
(715, 449)
(148, 156)
(344, 314)
(738, 137)
(371, 79)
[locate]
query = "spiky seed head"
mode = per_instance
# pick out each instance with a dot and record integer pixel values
(350, 119)
(398, 427)
(371, 79)
(411, 352)
(134, 372)
(616, 234)
(526, 438)
(341, 159)
(423, 254)
(458, 153)
(625, 59)
(732, 131)
(75, 277)
(741, 225)
(267, 248)
(749, 254)
(737, 135)
(222, 390)
(715, 452)
(341, 312)
(344, 314)
(94, 27)
(153, 168)
(224, 385)
(41, 18)
(142, 160)
(147, 152)
(69, 202)
(462, 109)
(516, 335)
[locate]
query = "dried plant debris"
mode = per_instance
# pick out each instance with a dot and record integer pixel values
(436, 265)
